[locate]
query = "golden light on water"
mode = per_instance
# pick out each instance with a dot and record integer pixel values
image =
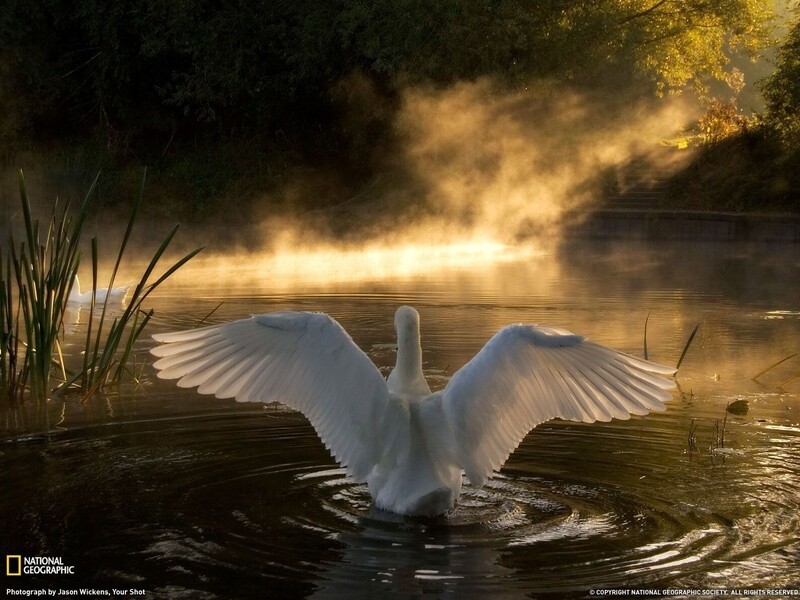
(327, 264)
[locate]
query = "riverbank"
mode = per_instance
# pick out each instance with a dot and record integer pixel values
(711, 226)
(224, 197)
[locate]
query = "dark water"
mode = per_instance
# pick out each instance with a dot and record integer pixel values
(184, 496)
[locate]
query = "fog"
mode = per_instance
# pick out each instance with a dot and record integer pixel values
(476, 173)
(511, 166)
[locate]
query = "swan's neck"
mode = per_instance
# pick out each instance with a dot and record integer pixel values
(75, 290)
(407, 376)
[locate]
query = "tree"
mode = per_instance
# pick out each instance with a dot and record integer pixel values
(782, 91)
(135, 65)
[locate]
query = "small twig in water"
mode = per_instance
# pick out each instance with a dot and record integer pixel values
(692, 438)
(781, 361)
(208, 316)
(787, 382)
(646, 319)
(686, 347)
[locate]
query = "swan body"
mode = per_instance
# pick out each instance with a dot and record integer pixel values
(114, 295)
(408, 444)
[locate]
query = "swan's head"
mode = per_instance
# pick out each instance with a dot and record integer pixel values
(406, 323)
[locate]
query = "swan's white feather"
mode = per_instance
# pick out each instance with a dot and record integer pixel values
(114, 295)
(526, 375)
(409, 444)
(304, 360)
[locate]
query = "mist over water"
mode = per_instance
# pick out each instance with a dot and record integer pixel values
(474, 164)
(472, 167)
(510, 165)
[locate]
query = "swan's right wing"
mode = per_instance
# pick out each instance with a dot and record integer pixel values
(304, 360)
(526, 375)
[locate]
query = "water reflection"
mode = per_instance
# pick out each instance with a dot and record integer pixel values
(388, 561)
(186, 507)
(323, 267)
(189, 496)
(72, 318)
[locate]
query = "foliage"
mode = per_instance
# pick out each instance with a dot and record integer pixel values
(106, 352)
(142, 69)
(33, 303)
(682, 42)
(750, 165)
(782, 91)
(13, 373)
(43, 270)
(721, 121)
(748, 172)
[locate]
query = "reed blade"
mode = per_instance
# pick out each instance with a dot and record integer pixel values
(772, 366)
(686, 347)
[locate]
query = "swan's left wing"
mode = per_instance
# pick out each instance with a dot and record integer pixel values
(526, 375)
(304, 360)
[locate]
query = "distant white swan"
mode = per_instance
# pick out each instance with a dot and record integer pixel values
(116, 295)
(408, 444)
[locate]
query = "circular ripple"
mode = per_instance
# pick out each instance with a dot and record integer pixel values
(567, 536)
(189, 505)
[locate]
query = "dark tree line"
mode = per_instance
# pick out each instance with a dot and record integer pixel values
(136, 68)
(325, 77)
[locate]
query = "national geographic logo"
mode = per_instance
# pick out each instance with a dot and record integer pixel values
(13, 565)
(36, 565)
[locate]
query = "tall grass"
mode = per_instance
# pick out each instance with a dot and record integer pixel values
(13, 375)
(44, 265)
(772, 366)
(34, 300)
(686, 347)
(108, 350)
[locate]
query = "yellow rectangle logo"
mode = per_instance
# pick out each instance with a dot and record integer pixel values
(13, 564)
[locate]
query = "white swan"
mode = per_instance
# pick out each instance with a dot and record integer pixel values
(408, 444)
(116, 295)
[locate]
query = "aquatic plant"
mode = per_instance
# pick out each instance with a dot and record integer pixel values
(34, 300)
(686, 347)
(12, 375)
(691, 439)
(107, 351)
(772, 366)
(738, 407)
(43, 268)
(718, 440)
(783, 385)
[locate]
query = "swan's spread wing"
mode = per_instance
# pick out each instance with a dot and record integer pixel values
(304, 360)
(526, 375)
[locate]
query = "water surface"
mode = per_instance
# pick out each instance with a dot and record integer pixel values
(186, 496)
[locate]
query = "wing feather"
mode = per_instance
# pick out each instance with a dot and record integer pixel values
(304, 360)
(526, 375)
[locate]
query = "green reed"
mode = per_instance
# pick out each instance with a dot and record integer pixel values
(13, 375)
(108, 348)
(44, 265)
(35, 280)
(772, 366)
(686, 347)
